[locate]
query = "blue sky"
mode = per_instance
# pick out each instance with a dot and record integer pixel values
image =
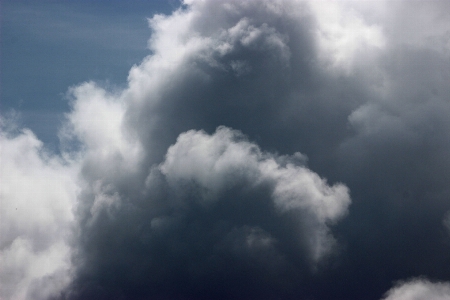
(48, 46)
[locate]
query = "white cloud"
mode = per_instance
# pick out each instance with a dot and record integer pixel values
(37, 193)
(220, 161)
(344, 36)
(419, 289)
(97, 121)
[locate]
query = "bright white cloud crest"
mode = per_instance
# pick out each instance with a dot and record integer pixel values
(220, 161)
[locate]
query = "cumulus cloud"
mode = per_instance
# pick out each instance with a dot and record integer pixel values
(418, 290)
(219, 162)
(190, 180)
(215, 207)
(37, 194)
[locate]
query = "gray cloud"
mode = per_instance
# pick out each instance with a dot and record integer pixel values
(176, 203)
(215, 209)
(419, 289)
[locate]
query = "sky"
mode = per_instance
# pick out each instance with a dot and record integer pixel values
(49, 46)
(287, 149)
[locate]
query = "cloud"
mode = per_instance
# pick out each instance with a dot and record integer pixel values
(215, 207)
(419, 289)
(285, 210)
(37, 193)
(217, 163)
(191, 182)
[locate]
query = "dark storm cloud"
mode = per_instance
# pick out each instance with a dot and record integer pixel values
(268, 227)
(218, 218)
(172, 205)
(369, 109)
(397, 165)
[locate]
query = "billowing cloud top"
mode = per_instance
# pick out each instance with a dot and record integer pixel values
(419, 290)
(190, 182)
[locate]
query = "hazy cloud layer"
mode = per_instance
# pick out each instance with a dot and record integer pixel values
(191, 183)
